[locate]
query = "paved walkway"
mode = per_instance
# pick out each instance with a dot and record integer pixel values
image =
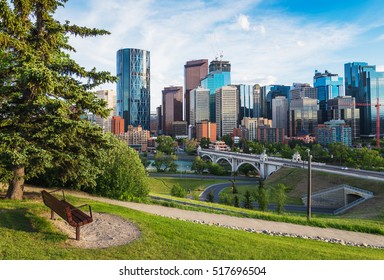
(248, 223)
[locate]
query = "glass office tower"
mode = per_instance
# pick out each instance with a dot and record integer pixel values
(328, 86)
(219, 76)
(133, 87)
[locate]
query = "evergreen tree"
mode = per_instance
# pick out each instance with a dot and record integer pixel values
(44, 95)
(248, 200)
(236, 201)
(280, 196)
(262, 196)
(210, 197)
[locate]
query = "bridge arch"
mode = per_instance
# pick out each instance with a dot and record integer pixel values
(225, 159)
(207, 156)
(250, 163)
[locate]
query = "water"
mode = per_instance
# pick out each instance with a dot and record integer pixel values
(182, 166)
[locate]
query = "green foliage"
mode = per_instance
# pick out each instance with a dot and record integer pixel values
(178, 191)
(262, 196)
(225, 198)
(199, 165)
(280, 195)
(236, 201)
(45, 93)
(166, 144)
(248, 201)
(204, 143)
(164, 163)
(228, 140)
(210, 197)
(191, 146)
(216, 169)
(122, 174)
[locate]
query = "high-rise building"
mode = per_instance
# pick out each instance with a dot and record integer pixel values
(172, 107)
(351, 77)
(299, 90)
(280, 112)
(368, 93)
(159, 114)
(272, 92)
(328, 86)
(117, 125)
(246, 102)
(206, 129)
(219, 76)
(251, 125)
(343, 108)
(303, 116)
(334, 131)
(259, 100)
(199, 105)
(133, 87)
(108, 96)
(180, 129)
(266, 134)
(194, 72)
(226, 110)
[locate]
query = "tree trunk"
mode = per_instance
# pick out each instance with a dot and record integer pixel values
(16, 186)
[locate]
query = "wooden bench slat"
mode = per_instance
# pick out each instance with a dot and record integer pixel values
(74, 216)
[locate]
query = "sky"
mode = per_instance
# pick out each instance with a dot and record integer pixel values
(266, 41)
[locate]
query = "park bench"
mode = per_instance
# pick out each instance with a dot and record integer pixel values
(71, 214)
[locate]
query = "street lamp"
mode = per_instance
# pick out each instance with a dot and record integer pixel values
(309, 202)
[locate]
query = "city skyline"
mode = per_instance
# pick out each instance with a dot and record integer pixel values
(267, 42)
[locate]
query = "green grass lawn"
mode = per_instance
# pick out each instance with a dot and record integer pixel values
(163, 185)
(26, 235)
(252, 188)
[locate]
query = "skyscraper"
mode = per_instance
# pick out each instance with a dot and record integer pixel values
(133, 87)
(272, 92)
(280, 112)
(199, 105)
(194, 72)
(226, 110)
(351, 77)
(108, 96)
(328, 86)
(303, 116)
(370, 92)
(219, 76)
(343, 108)
(172, 107)
(246, 102)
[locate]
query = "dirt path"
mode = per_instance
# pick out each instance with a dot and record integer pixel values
(328, 234)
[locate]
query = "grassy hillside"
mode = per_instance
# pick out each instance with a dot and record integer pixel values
(296, 180)
(26, 235)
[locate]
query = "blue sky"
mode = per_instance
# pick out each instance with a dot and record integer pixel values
(266, 41)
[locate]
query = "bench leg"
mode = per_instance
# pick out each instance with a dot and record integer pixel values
(52, 215)
(77, 233)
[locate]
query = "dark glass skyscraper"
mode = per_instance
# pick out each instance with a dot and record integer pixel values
(194, 71)
(328, 86)
(133, 87)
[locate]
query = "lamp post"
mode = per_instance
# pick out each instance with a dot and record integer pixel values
(309, 202)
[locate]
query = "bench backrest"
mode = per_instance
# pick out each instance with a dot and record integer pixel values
(62, 209)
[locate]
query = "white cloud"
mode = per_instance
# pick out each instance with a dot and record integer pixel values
(243, 22)
(278, 49)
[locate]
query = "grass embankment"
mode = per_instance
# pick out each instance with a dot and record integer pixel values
(26, 235)
(368, 217)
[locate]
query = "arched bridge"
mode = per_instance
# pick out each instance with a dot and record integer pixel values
(261, 162)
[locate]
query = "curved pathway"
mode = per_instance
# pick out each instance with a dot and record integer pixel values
(236, 222)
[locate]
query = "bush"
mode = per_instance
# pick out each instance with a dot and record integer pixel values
(178, 191)
(122, 175)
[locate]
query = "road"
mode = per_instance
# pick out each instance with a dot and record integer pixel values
(217, 188)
